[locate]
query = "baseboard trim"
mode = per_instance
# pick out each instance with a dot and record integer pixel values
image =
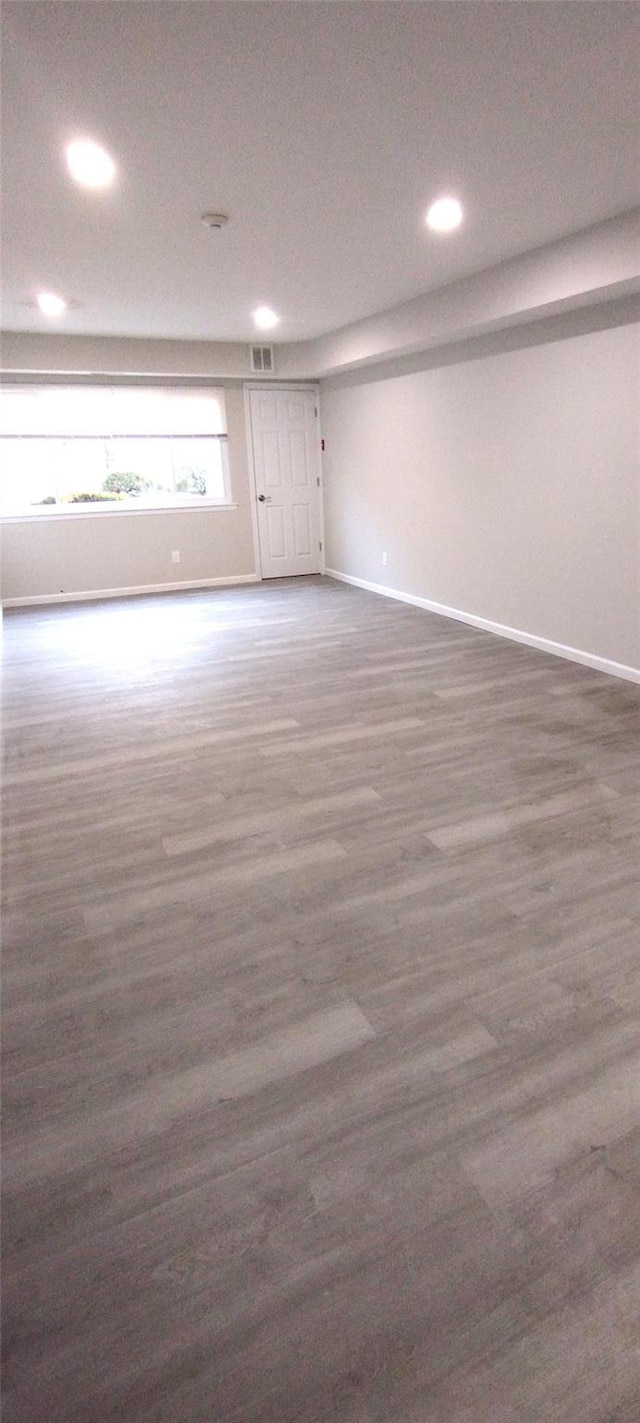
(543, 644)
(95, 595)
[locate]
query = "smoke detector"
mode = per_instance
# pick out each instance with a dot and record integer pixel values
(214, 219)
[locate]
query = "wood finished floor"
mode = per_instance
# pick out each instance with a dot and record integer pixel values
(321, 1034)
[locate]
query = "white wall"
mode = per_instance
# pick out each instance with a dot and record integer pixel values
(506, 487)
(102, 552)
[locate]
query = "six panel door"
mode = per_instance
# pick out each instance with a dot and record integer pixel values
(284, 434)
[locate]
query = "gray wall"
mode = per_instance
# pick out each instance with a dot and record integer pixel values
(49, 352)
(506, 487)
(46, 557)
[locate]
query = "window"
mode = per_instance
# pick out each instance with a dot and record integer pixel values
(72, 449)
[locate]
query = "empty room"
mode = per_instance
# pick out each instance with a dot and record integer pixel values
(320, 581)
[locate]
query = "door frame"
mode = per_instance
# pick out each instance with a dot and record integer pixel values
(313, 388)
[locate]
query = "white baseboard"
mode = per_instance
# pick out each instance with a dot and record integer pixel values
(95, 595)
(557, 649)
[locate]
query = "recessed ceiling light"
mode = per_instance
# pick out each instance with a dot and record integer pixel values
(444, 215)
(90, 164)
(265, 318)
(51, 305)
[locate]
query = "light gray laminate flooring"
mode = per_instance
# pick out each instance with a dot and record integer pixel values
(321, 1033)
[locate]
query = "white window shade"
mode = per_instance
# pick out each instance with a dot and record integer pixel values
(73, 411)
(79, 448)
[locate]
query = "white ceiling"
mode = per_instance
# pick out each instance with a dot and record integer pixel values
(324, 130)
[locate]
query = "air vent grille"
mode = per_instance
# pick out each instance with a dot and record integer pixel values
(262, 360)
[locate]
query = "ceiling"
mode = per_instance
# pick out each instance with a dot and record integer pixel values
(324, 130)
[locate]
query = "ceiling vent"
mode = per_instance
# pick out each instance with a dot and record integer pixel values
(262, 360)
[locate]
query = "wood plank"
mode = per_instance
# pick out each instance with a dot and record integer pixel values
(320, 1017)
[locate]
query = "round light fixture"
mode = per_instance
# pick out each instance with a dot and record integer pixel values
(444, 215)
(265, 318)
(89, 164)
(50, 304)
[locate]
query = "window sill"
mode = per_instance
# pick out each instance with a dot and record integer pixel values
(91, 512)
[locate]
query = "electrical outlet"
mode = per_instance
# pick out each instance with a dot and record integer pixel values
(175, 555)
(385, 558)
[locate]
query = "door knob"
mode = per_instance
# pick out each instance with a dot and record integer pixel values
(264, 498)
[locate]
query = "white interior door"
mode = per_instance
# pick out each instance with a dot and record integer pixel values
(285, 451)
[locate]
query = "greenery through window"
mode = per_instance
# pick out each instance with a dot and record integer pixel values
(70, 448)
